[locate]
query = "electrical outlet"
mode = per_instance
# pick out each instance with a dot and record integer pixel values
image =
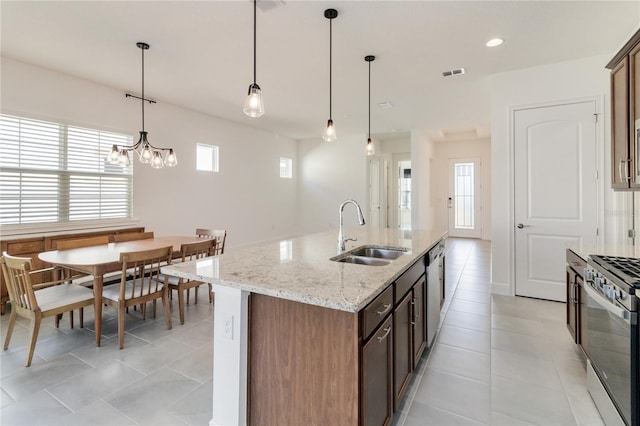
(227, 325)
(631, 233)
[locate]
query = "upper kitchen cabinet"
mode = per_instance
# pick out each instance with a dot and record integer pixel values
(625, 113)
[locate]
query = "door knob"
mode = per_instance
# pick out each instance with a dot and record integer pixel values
(520, 226)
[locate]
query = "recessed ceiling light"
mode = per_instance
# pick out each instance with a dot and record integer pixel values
(385, 105)
(495, 42)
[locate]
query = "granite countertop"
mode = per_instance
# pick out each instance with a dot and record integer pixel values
(300, 268)
(585, 250)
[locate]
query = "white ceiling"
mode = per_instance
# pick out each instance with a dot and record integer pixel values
(202, 51)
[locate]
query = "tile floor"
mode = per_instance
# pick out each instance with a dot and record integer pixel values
(497, 360)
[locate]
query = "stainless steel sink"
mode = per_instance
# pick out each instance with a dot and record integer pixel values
(378, 252)
(361, 260)
(370, 255)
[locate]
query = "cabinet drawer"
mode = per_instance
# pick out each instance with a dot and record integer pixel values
(409, 278)
(576, 262)
(25, 247)
(376, 311)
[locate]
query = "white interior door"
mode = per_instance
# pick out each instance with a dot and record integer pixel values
(555, 193)
(464, 202)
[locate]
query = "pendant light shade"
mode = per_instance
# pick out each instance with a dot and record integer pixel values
(330, 131)
(253, 106)
(370, 148)
(147, 153)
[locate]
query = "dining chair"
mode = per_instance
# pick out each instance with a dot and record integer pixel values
(190, 251)
(220, 235)
(38, 301)
(132, 236)
(144, 286)
(80, 278)
(81, 242)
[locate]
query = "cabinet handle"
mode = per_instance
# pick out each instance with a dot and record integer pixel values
(572, 291)
(384, 336)
(625, 177)
(384, 310)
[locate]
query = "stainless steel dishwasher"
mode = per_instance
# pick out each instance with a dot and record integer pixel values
(434, 291)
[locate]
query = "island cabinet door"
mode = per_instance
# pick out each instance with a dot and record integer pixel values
(403, 352)
(419, 320)
(377, 379)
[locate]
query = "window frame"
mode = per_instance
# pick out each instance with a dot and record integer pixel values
(215, 157)
(71, 136)
(288, 169)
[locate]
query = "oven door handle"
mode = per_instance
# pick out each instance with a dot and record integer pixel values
(606, 303)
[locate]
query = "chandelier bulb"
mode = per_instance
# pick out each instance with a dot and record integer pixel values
(171, 159)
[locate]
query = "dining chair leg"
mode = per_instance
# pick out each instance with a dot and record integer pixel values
(181, 302)
(33, 337)
(12, 323)
(70, 319)
(210, 293)
(121, 325)
(195, 296)
(167, 307)
(81, 317)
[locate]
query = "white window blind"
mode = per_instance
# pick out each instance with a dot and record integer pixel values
(57, 173)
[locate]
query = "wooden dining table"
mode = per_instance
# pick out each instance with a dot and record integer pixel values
(103, 259)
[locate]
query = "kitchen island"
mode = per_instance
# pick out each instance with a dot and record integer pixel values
(294, 331)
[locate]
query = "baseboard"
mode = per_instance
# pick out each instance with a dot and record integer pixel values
(502, 289)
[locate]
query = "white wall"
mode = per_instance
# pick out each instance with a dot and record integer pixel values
(422, 176)
(447, 150)
(564, 81)
(247, 197)
(331, 172)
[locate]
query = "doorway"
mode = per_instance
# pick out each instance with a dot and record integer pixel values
(464, 200)
(555, 193)
(404, 195)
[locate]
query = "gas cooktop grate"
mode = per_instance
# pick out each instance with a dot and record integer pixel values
(627, 268)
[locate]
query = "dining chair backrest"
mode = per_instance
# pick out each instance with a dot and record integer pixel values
(220, 235)
(132, 236)
(198, 250)
(143, 267)
(16, 274)
(82, 242)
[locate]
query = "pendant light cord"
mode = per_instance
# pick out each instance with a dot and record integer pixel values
(142, 100)
(369, 100)
(330, 60)
(254, 41)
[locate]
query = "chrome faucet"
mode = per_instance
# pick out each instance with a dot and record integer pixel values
(341, 238)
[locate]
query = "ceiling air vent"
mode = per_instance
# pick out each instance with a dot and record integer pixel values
(457, 71)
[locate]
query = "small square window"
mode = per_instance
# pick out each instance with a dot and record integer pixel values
(206, 157)
(286, 168)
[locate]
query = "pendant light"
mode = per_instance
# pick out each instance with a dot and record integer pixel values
(370, 149)
(330, 131)
(147, 153)
(253, 106)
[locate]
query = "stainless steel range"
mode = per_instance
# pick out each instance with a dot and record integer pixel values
(610, 336)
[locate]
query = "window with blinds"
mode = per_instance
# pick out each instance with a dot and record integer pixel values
(57, 173)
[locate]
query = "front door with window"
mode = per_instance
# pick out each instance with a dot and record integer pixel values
(464, 201)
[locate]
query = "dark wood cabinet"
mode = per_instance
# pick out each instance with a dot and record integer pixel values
(377, 379)
(575, 277)
(419, 320)
(625, 111)
(403, 342)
